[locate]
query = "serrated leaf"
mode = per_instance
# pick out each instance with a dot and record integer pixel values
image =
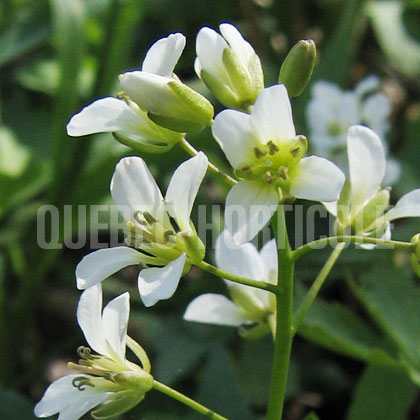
(382, 393)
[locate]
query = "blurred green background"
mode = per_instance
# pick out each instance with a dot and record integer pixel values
(358, 352)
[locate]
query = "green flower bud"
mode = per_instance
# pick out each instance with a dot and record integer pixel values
(416, 240)
(297, 68)
(168, 102)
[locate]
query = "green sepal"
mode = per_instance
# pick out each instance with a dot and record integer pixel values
(297, 68)
(239, 76)
(415, 264)
(254, 331)
(256, 72)
(343, 205)
(373, 209)
(220, 90)
(176, 124)
(137, 381)
(196, 250)
(117, 404)
(416, 240)
(247, 301)
(143, 145)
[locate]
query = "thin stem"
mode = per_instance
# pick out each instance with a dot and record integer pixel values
(237, 279)
(316, 286)
(284, 318)
(187, 401)
(191, 150)
(320, 243)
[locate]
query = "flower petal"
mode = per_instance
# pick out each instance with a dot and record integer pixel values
(99, 265)
(317, 179)
(237, 42)
(164, 54)
(366, 163)
(160, 283)
(242, 260)
(407, 206)
(209, 48)
(89, 317)
(232, 131)
(268, 255)
(104, 115)
(271, 117)
(61, 395)
(115, 320)
(183, 189)
(133, 188)
(249, 207)
(216, 309)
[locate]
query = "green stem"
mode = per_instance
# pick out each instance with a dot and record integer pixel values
(187, 401)
(237, 279)
(191, 150)
(316, 286)
(321, 243)
(284, 314)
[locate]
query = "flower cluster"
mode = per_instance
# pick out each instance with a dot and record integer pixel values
(153, 113)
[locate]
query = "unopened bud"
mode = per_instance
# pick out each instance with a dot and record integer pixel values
(296, 70)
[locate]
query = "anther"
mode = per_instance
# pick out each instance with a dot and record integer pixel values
(247, 170)
(149, 218)
(139, 218)
(81, 382)
(169, 236)
(294, 151)
(122, 95)
(268, 176)
(282, 172)
(272, 148)
(259, 153)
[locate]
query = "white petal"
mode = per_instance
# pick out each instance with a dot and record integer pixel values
(242, 260)
(104, 115)
(317, 179)
(366, 163)
(133, 188)
(236, 41)
(268, 255)
(115, 320)
(77, 410)
(271, 118)
(392, 172)
(367, 85)
(183, 189)
(89, 317)
(160, 283)
(232, 131)
(164, 54)
(331, 207)
(214, 309)
(376, 110)
(209, 47)
(249, 207)
(61, 394)
(407, 206)
(99, 265)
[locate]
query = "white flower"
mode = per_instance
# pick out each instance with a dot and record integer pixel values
(229, 66)
(268, 156)
(362, 207)
(152, 237)
(332, 111)
(106, 377)
(158, 90)
(123, 116)
(249, 307)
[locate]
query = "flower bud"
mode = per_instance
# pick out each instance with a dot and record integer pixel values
(229, 66)
(415, 256)
(297, 68)
(168, 102)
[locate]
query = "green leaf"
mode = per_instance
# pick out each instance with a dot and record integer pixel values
(393, 301)
(14, 406)
(402, 51)
(382, 393)
(335, 327)
(14, 157)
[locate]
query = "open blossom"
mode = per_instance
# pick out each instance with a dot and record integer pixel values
(363, 205)
(151, 237)
(130, 123)
(107, 377)
(252, 308)
(267, 156)
(229, 66)
(332, 111)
